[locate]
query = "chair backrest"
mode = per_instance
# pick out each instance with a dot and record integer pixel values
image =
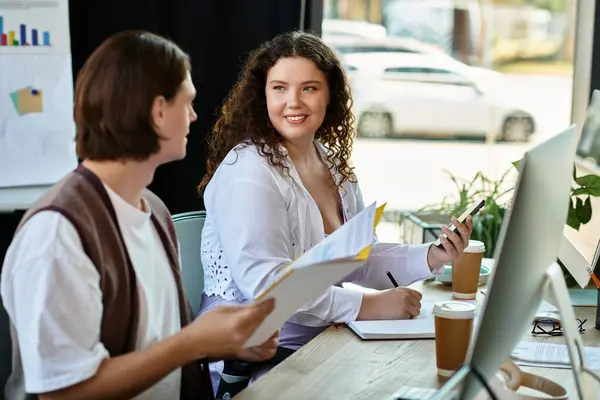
(189, 233)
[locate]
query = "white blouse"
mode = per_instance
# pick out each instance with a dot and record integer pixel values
(259, 220)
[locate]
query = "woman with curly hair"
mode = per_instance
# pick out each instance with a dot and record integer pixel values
(279, 180)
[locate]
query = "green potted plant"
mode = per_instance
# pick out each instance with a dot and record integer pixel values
(486, 226)
(580, 207)
(498, 194)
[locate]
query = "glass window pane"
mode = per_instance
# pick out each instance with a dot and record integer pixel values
(444, 87)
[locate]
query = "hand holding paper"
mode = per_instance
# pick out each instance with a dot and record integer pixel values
(227, 328)
(307, 278)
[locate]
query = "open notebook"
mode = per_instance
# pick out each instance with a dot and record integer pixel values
(421, 327)
(308, 277)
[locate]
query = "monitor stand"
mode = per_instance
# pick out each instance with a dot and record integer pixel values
(584, 378)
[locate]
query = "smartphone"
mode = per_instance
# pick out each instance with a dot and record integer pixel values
(471, 210)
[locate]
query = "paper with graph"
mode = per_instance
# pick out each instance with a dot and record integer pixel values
(36, 93)
(327, 263)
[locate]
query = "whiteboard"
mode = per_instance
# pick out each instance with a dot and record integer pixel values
(36, 93)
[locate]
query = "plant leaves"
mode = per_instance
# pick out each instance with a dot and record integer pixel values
(584, 210)
(590, 182)
(572, 219)
(516, 164)
(574, 173)
(580, 191)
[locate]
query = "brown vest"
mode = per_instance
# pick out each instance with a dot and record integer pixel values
(83, 200)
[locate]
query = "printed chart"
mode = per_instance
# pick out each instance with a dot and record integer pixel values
(36, 93)
(34, 27)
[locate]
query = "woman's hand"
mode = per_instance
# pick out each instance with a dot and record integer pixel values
(397, 303)
(453, 246)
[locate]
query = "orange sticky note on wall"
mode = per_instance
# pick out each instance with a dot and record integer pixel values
(29, 100)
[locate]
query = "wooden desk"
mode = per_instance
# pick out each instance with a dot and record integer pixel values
(338, 365)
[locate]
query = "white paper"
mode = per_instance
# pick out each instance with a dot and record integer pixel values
(345, 242)
(306, 279)
(574, 261)
(538, 354)
(36, 142)
(421, 327)
(301, 287)
(546, 307)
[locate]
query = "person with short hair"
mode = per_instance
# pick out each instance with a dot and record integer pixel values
(91, 281)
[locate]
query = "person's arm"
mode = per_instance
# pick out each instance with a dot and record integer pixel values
(51, 292)
(251, 218)
(407, 263)
(127, 376)
(218, 332)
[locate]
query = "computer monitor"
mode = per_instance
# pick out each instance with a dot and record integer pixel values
(528, 245)
(588, 148)
(586, 240)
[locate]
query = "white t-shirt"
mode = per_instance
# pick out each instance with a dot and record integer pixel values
(51, 291)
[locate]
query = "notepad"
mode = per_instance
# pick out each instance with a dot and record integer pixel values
(308, 277)
(421, 327)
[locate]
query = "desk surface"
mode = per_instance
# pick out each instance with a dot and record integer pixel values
(338, 365)
(20, 198)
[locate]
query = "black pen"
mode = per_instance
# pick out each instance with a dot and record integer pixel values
(389, 274)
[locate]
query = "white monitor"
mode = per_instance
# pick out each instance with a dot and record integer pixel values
(588, 148)
(531, 233)
(586, 240)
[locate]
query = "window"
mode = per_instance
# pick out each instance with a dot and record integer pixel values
(480, 84)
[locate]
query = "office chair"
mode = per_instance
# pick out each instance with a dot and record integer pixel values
(189, 233)
(236, 375)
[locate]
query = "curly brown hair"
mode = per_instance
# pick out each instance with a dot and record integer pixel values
(244, 118)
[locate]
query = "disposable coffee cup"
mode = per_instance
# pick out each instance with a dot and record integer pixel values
(453, 330)
(465, 271)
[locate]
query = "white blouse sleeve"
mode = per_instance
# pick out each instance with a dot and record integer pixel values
(406, 263)
(251, 219)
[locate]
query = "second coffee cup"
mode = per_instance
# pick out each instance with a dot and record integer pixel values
(453, 331)
(465, 271)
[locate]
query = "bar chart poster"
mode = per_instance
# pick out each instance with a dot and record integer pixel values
(36, 93)
(34, 27)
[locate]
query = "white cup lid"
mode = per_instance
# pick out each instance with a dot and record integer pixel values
(454, 310)
(475, 246)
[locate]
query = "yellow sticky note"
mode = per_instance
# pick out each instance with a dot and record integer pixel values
(29, 101)
(378, 214)
(364, 254)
